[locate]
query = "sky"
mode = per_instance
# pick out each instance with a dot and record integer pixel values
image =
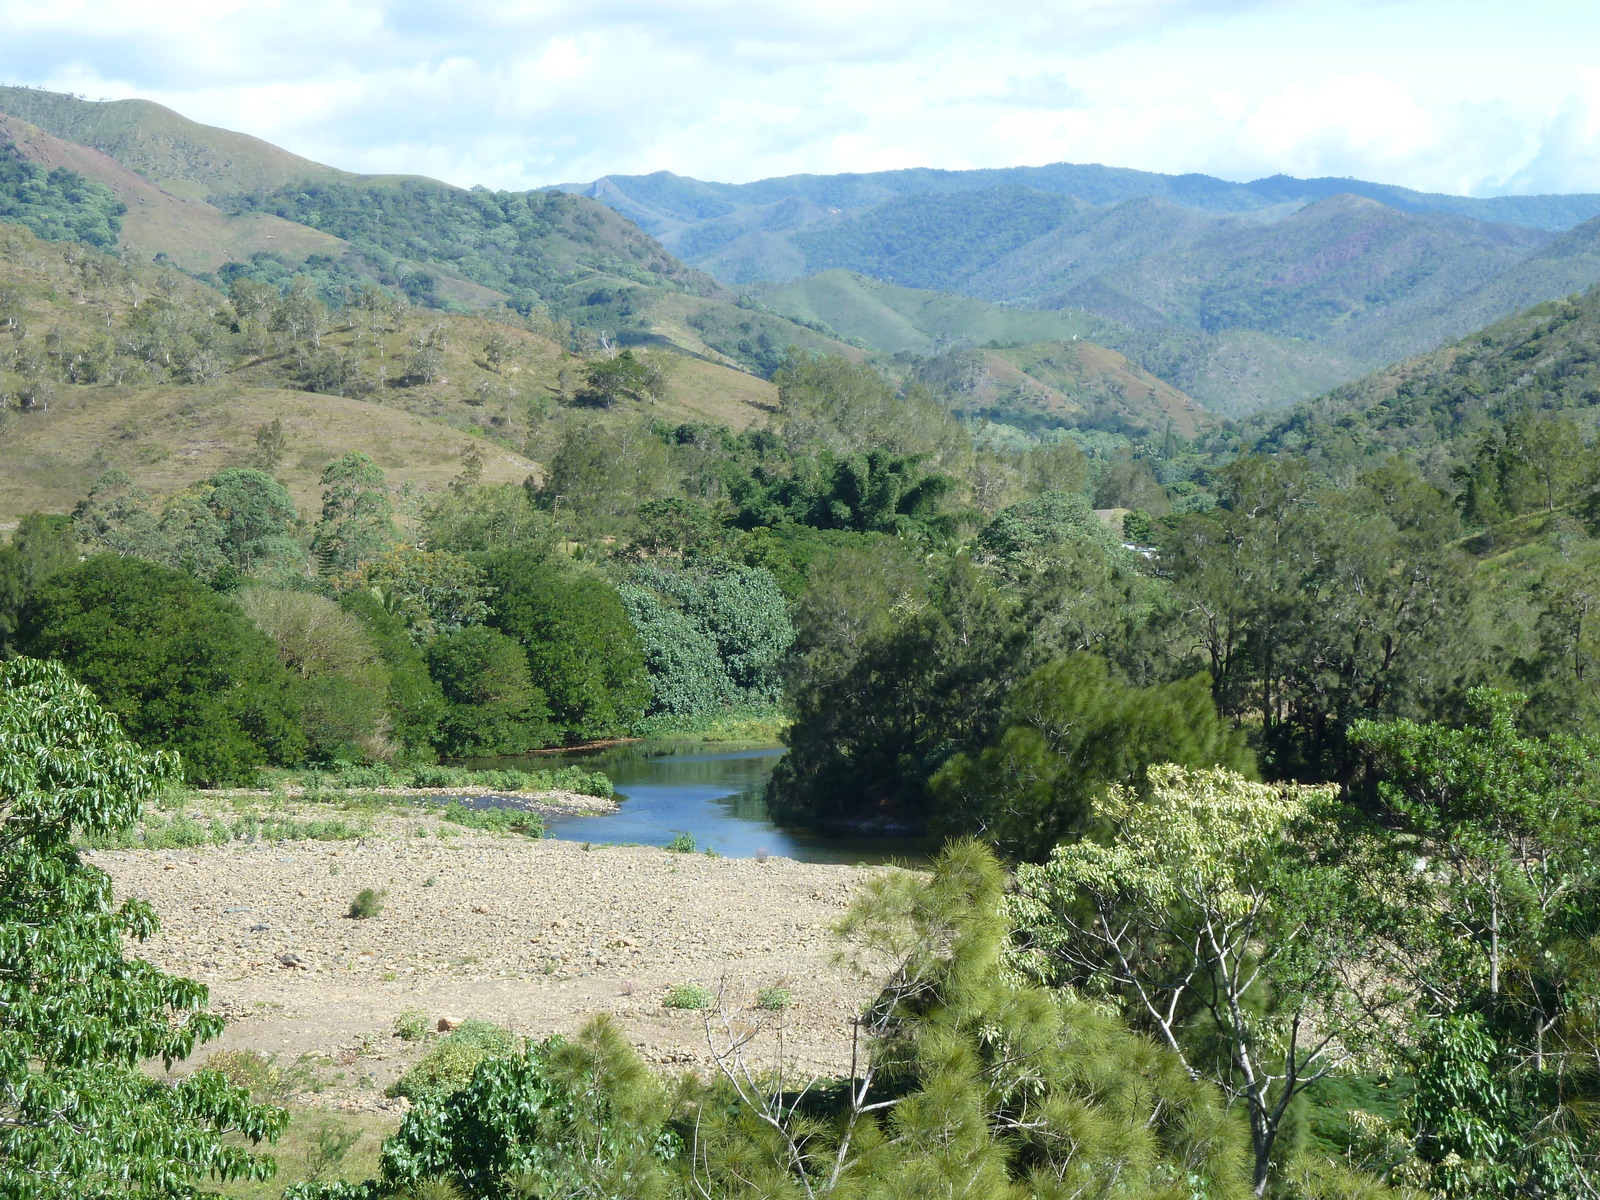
(1474, 97)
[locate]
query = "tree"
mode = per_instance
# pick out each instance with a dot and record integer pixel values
(582, 649)
(911, 686)
(42, 545)
(357, 518)
(257, 520)
(271, 443)
(971, 1084)
(714, 634)
(182, 667)
(610, 379)
(488, 517)
(602, 472)
(492, 705)
(78, 1119)
(1503, 831)
(1069, 730)
(433, 591)
(342, 681)
(415, 705)
(1205, 915)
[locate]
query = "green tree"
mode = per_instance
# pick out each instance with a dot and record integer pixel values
(492, 705)
(78, 1119)
(1235, 921)
(433, 591)
(714, 634)
(611, 379)
(488, 517)
(257, 520)
(41, 546)
(1069, 731)
(1499, 949)
(415, 704)
(357, 518)
(342, 681)
(582, 649)
(183, 668)
(603, 472)
(895, 695)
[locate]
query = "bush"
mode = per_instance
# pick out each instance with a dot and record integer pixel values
(448, 1067)
(774, 999)
(687, 995)
(182, 667)
(411, 1025)
(368, 903)
(496, 820)
(682, 844)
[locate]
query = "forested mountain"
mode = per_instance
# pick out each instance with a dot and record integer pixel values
(1258, 294)
(1536, 372)
(668, 205)
(223, 205)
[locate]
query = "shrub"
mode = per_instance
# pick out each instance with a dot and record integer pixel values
(448, 1067)
(774, 999)
(687, 995)
(496, 820)
(411, 1025)
(368, 903)
(682, 844)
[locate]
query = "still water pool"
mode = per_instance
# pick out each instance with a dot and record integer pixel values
(670, 788)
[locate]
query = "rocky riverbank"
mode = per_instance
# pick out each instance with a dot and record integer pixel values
(538, 935)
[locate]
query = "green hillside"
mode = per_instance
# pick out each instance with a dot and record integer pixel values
(111, 364)
(1445, 406)
(1243, 295)
(176, 154)
(224, 206)
(1231, 373)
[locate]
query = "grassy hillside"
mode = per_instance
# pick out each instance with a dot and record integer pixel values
(1441, 406)
(1231, 373)
(168, 437)
(115, 364)
(192, 233)
(214, 204)
(180, 156)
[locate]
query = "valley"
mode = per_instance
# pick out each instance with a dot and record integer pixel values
(1023, 683)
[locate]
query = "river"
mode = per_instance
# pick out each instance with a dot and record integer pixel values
(669, 788)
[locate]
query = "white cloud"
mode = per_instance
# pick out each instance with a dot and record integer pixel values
(1450, 95)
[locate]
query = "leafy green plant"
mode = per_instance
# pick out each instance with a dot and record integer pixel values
(411, 1025)
(774, 999)
(448, 1066)
(495, 820)
(368, 903)
(688, 996)
(77, 1017)
(682, 844)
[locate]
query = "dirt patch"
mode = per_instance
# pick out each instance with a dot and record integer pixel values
(536, 935)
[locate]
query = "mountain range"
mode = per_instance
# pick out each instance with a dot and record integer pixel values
(1065, 294)
(1243, 295)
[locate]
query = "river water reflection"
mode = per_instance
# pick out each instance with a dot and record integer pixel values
(713, 795)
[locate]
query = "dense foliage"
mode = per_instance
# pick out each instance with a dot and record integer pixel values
(58, 205)
(79, 1119)
(182, 668)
